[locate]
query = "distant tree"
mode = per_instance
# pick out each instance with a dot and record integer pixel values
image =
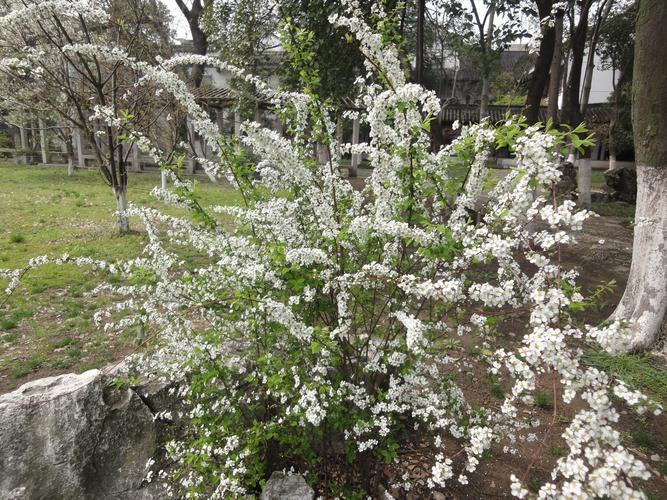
(193, 12)
(540, 75)
(337, 58)
(46, 65)
(243, 32)
(616, 51)
(578, 31)
(644, 303)
(483, 41)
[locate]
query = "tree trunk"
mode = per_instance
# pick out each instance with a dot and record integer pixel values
(644, 302)
(571, 110)
(69, 151)
(419, 57)
(554, 71)
(120, 192)
(602, 14)
(484, 101)
(199, 40)
(541, 71)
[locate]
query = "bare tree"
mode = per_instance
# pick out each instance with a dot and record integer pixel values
(193, 14)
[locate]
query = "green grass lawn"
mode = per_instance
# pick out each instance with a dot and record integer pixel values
(46, 325)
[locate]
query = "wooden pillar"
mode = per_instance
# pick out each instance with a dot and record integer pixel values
(42, 142)
(355, 160)
(220, 119)
(78, 139)
(237, 123)
(163, 179)
(24, 145)
(136, 159)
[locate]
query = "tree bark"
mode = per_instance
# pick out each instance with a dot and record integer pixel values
(199, 40)
(541, 71)
(554, 71)
(571, 110)
(120, 192)
(419, 57)
(644, 302)
(602, 14)
(484, 101)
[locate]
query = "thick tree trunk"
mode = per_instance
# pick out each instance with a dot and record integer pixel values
(540, 74)
(644, 302)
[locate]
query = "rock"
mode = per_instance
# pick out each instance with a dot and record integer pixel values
(622, 183)
(281, 486)
(74, 437)
(567, 185)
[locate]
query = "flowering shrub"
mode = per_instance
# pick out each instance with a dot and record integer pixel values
(314, 330)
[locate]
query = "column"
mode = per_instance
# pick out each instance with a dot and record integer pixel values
(42, 141)
(79, 147)
(24, 145)
(355, 160)
(136, 159)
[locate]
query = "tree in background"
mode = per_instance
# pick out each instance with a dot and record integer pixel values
(47, 64)
(644, 303)
(540, 74)
(193, 13)
(616, 51)
(482, 40)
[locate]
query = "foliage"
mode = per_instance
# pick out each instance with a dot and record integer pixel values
(243, 33)
(310, 332)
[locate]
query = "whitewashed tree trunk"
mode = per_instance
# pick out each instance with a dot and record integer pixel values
(121, 206)
(612, 162)
(42, 142)
(644, 303)
(584, 182)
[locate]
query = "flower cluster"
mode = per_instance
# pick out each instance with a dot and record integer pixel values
(316, 324)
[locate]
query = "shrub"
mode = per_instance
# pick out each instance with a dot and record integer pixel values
(310, 332)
